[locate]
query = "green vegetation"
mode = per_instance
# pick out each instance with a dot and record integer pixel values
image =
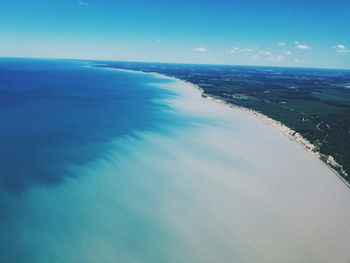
(313, 102)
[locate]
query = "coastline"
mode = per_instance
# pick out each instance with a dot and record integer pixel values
(291, 134)
(305, 144)
(165, 174)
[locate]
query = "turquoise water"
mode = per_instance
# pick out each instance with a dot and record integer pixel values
(101, 165)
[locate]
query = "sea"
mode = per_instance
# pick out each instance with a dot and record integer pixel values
(106, 165)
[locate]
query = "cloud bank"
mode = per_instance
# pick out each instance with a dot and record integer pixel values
(200, 49)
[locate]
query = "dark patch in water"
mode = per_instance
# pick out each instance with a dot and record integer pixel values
(54, 114)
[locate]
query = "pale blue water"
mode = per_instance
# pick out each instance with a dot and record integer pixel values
(99, 165)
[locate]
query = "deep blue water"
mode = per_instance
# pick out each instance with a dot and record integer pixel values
(57, 113)
(98, 165)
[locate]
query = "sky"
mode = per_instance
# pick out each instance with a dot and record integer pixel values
(312, 33)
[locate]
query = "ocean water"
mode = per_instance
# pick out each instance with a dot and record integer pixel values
(100, 165)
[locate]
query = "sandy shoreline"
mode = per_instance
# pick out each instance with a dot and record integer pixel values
(328, 161)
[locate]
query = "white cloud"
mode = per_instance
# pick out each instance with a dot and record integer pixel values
(341, 48)
(83, 2)
(158, 40)
(244, 50)
(296, 42)
(288, 53)
(301, 46)
(233, 50)
(253, 57)
(282, 44)
(267, 53)
(200, 49)
(277, 58)
(296, 60)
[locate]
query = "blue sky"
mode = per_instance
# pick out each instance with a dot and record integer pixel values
(240, 32)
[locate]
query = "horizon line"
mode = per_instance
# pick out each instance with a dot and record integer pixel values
(178, 63)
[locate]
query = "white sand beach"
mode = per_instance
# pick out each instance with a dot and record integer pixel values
(210, 184)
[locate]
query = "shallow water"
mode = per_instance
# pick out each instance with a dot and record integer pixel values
(172, 178)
